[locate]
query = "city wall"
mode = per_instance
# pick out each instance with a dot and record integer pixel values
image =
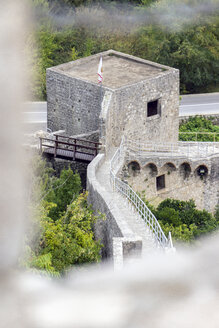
(182, 179)
(118, 240)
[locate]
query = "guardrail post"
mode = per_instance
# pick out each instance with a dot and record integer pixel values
(56, 146)
(170, 243)
(41, 148)
(95, 152)
(74, 149)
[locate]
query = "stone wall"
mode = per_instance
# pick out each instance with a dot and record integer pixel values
(118, 240)
(211, 188)
(127, 112)
(213, 117)
(59, 164)
(182, 180)
(120, 108)
(73, 105)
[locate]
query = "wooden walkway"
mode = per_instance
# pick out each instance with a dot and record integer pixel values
(69, 148)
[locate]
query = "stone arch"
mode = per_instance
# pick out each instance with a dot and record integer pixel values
(170, 167)
(185, 170)
(201, 171)
(151, 169)
(134, 168)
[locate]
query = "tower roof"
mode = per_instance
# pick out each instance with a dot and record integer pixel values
(119, 69)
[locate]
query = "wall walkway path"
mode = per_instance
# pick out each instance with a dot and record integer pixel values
(133, 220)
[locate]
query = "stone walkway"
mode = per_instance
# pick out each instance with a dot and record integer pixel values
(182, 149)
(134, 221)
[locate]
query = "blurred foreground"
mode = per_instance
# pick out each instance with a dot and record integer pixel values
(162, 291)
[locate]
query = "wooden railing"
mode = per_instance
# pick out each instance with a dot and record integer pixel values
(72, 144)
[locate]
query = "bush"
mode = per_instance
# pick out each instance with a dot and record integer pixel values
(198, 124)
(183, 220)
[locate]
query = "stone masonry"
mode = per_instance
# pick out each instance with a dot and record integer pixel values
(138, 100)
(136, 95)
(183, 179)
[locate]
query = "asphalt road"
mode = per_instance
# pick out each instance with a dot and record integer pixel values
(35, 113)
(35, 116)
(200, 104)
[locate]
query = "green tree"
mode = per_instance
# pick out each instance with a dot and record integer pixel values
(184, 218)
(70, 239)
(61, 232)
(63, 191)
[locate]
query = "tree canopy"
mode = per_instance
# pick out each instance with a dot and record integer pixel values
(61, 232)
(155, 30)
(185, 222)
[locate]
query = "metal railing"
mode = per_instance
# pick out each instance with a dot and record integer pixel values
(181, 148)
(123, 188)
(210, 134)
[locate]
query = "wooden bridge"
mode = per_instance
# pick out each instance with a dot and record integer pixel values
(69, 148)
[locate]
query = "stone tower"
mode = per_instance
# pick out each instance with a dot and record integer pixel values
(138, 99)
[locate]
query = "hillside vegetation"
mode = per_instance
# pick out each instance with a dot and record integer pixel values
(182, 34)
(61, 235)
(207, 130)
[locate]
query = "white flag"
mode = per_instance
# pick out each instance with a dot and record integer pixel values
(100, 70)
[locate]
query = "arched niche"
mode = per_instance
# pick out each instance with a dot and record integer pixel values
(151, 170)
(169, 167)
(134, 168)
(185, 170)
(201, 171)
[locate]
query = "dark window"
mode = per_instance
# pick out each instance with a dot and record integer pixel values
(160, 182)
(202, 171)
(152, 108)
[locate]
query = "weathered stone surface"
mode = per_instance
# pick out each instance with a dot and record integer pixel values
(114, 228)
(127, 113)
(180, 183)
(74, 98)
(73, 105)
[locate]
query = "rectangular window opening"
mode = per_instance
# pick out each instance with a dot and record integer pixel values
(152, 108)
(160, 181)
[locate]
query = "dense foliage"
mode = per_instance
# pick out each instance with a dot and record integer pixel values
(155, 30)
(185, 222)
(199, 124)
(61, 234)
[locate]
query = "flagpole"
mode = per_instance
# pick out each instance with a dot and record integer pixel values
(101, 91)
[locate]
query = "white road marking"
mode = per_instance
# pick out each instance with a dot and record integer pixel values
(34, 112)
(34, 122)
(199, 105)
